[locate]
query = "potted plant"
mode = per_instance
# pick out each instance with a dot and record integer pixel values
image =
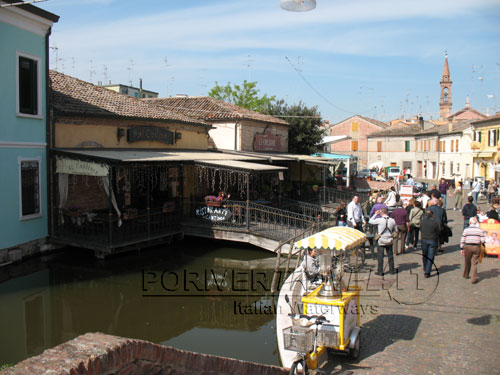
(213, 201)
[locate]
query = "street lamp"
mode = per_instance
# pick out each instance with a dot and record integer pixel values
(298, 5)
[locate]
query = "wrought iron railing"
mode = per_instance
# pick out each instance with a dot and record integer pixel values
(293, 253)
(328, 195)
(105, 229)
(255, 218)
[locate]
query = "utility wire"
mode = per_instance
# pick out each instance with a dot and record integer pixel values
(316, 91)
(22, 3)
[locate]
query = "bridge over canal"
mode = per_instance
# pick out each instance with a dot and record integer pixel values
(261, 225)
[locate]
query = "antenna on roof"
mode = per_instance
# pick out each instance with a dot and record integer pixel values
(57, 59)
(249, 65)
(92, 71)
(22, 3)
(167, 65)
(73, 64)
(130, 69)
(105, 72)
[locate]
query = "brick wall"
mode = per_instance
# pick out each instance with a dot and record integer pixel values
(86, 192)
(248, 129)
(100, 354)
(360, 136)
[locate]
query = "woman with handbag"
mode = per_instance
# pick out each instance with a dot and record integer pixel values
(416, 215)
(459, 195)
(386, 231)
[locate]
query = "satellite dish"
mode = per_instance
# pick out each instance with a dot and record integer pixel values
(298, 5)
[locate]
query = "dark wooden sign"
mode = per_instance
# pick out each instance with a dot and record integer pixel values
(267, 141)
(213, 214)
(150, 133)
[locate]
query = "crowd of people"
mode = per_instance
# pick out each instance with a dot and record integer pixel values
(397, 225)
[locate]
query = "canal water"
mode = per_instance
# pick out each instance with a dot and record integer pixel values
(200, 295)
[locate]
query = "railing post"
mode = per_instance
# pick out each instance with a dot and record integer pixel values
(248, 201)
(110, 205)
(148, 201)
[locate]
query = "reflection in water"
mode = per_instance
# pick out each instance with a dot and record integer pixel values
(177, 296)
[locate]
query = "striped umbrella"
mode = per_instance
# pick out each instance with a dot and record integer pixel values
(338, 238)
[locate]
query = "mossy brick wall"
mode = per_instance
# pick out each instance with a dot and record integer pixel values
(100, 354)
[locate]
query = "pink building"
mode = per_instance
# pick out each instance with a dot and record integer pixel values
(357, 127)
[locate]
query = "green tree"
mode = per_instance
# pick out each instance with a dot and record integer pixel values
(245, 95)
(305, 126)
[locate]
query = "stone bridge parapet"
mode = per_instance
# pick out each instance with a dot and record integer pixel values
(101, 354)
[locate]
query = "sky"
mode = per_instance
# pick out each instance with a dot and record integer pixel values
(377, 58)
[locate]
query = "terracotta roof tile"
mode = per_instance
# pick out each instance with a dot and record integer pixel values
(397, 131)
(76, 97)
(210, 109)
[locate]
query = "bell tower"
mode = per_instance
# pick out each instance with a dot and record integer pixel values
(445, 102)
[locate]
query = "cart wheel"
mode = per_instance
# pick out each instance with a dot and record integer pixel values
(354, 352)
(298, 367)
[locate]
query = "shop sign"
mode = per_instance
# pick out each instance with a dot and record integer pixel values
(213, 214)
(267, 142)
(85, 168)
(150, 133)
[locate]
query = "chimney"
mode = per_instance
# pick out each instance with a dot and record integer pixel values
(140, 84)
(467, 103)
(421, 123)
(450, 125)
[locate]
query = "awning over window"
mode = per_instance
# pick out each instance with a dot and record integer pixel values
(240, 166)
(95, 162)
(483, 155)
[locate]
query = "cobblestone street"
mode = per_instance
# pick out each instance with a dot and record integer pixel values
(440, 325)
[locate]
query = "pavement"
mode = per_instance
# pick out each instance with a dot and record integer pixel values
(438, 325)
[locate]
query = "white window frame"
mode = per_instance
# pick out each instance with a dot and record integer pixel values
(38, 59)
(40, 213)
(491, 138)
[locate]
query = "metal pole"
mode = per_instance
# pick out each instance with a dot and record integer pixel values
(110, 204)
(324, 185)
(248, 201)
(148, 201)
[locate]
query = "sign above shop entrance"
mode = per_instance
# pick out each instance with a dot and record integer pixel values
(267, 141)
(150, 133)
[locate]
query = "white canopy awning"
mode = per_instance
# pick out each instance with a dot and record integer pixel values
(329, 139)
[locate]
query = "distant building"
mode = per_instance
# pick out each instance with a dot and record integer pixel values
(445, 102)
(467, 113)
(24, 41)
(234, 128)
(135, 92)
(356, 128)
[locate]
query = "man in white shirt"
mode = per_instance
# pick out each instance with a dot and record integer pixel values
(355, 216)
(410, 180)
(476, 187)
(390, 201)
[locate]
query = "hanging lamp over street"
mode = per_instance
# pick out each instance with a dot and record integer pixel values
(298, 5)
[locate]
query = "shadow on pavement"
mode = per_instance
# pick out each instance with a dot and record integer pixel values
(480, 320)
(448, 268)
(408, 266)
(384, 330)
(495, 272)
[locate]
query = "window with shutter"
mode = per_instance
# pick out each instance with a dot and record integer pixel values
(28, 88)
(30, 188)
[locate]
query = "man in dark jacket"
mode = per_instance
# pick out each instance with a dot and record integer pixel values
(434, 192)
(429, 230)
(469, 210)
(401, 217)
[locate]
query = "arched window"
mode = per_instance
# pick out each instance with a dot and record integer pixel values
(445, 94)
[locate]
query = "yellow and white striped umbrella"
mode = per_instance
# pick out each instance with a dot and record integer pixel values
(339, 238)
